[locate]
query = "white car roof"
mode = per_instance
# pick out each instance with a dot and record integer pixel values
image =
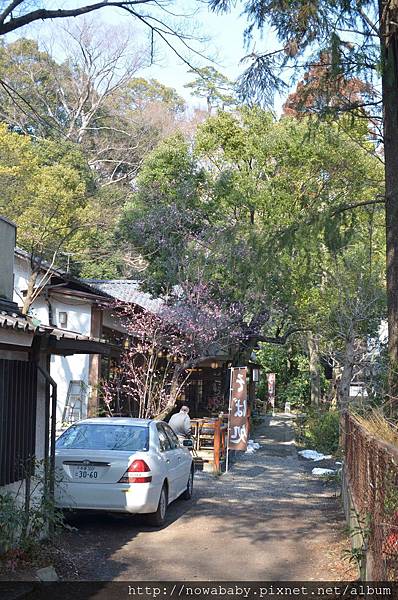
(116, 421)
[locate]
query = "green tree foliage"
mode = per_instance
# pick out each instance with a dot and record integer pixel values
(290, 365)
(353, 297)
(48, 189)
(98, 251)
(141, 93)
(96, 117)
(91, 98)
(214, 87)
(261, 211)
(288, 188)
(323, 432)
(359, 39)
(344, 33)
(44, 189)
(165, 211)
(29, 100)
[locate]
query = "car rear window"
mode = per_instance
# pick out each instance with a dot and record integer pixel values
(105, 437)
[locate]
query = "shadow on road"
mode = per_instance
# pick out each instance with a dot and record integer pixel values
(266, 519)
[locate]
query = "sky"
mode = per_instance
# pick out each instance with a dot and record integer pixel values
(224, 46)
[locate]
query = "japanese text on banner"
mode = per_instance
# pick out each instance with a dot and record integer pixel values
(238, 414)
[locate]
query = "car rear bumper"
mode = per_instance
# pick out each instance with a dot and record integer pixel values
(129, 498)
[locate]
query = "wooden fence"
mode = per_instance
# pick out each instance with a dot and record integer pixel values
(370, 493)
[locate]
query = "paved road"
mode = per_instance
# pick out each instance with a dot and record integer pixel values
(267, 519)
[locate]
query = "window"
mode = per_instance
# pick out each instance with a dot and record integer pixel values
(164, 441)
(63, 319)
(174, 441)
(127, 438)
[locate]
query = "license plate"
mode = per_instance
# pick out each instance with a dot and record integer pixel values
(85, 472)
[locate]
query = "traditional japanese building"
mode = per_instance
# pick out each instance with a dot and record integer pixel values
(28, 392)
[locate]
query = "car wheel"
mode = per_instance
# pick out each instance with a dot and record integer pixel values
(158, 518)
(187, 495)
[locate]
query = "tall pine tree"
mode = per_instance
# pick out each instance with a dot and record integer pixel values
(361, 38)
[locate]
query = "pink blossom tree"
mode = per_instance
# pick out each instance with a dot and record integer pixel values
(162, 348)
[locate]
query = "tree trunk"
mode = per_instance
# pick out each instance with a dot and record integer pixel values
(29, 293)
(343, 387)
(314, 367)
(333, 393)
(389, 52)
(174, 389)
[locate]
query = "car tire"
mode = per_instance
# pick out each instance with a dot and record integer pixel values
(158, 518)
(187, 495)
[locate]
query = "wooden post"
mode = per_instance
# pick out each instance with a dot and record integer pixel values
(229, 420)
(217, 444)
(94, 373)
(251, 389)
(222, 439)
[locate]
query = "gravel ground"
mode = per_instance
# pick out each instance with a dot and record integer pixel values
(267, 519)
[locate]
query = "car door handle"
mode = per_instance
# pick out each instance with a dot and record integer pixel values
(168, 460)
(179, 458)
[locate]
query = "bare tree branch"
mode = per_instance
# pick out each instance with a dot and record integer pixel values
(43, 14)
(340, 209)
(281, 339)
(8, 10)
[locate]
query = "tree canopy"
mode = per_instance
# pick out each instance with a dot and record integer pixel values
(271, 225)
(259, 210)
(359, 39)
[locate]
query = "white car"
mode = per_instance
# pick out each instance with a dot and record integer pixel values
(122, 465)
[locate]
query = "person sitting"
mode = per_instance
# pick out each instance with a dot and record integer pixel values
(181, 423)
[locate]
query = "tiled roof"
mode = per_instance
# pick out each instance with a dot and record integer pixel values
(68, 277)
(20, 253)
(13, 321)
(21, 323)
(127, 290)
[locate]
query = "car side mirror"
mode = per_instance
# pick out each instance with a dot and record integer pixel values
(187, 443)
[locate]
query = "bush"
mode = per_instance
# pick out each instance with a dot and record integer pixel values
(11, 517)
(25, 521)
(322, 432)
(296, 391)
(292, 375)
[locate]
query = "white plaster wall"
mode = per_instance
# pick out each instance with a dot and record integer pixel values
(21, 276)
(22, 273)
(78, 311)
(63, 369)
(75, 367)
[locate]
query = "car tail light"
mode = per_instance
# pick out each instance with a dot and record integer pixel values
(135, 473)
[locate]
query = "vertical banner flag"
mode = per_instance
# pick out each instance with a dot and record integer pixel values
(271, 389)
(238, 414)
